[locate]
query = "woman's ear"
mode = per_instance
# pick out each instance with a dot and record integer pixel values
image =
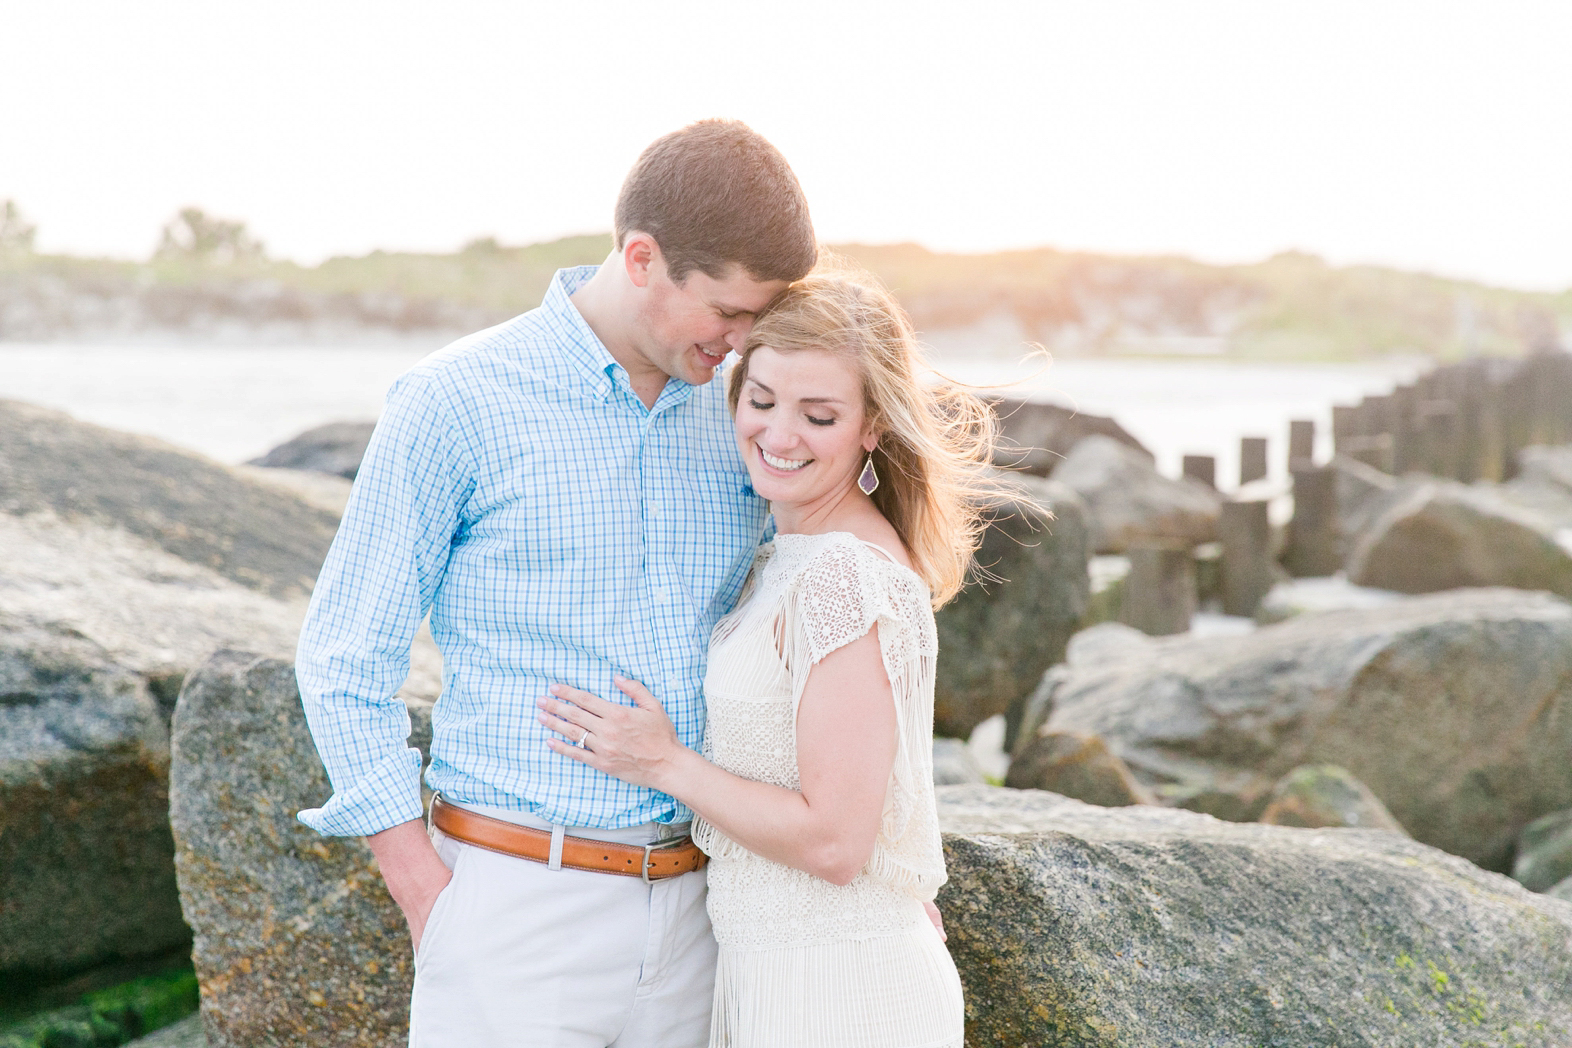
(870, 440)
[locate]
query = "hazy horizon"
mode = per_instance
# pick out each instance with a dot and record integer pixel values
(1419, 136)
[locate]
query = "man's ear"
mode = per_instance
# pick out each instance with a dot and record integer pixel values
(640, 256)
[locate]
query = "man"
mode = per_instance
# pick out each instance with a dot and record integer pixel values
(562, 494)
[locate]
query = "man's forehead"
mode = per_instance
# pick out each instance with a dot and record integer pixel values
(737, 291)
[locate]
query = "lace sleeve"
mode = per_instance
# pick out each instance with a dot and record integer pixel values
(836, 602)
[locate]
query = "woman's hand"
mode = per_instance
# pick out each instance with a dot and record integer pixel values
(636, 744)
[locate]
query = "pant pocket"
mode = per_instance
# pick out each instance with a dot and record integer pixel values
(441, 907)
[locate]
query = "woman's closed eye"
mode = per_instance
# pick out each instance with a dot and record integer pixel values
(758, 405)
(813, 420)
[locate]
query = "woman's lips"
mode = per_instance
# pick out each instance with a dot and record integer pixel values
(787, 470)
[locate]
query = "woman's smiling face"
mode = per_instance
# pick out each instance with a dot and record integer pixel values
(801, 426)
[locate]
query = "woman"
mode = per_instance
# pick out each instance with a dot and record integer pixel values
(814, 794)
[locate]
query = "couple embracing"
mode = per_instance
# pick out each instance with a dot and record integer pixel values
(683, 780)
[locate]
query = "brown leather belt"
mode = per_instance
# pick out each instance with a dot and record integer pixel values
(653, 862)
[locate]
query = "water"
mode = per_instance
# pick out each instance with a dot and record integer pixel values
(234, 403)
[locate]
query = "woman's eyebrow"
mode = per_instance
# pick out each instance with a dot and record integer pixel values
(800, 400)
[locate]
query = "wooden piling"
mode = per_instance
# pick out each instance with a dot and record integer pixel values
(1252, 459)
(1202, 468)
(1301, 443)
(1246, 534)
(1347, 423)
(1405, 445)
(1160, 591)
(1313, 547)
(1374, 450)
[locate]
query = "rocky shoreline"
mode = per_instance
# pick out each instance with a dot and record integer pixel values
(1294, 837)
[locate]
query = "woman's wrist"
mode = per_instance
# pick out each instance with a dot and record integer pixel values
(675, 772)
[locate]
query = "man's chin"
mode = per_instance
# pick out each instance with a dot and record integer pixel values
(703, 366)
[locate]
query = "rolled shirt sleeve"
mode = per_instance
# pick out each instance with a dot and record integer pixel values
(375, 588)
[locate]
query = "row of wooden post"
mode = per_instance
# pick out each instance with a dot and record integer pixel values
(1464, 421)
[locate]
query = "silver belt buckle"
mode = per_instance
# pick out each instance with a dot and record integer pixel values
(656, 846)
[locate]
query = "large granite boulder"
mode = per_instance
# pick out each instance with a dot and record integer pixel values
(1551, 466)
(335, 448)
(955, 764)
(1076, 765)
(187, 1033)
(1012, 622)
(1443, 535)
(1303, 596)
(1454, 708)
(1362, 493)
(85, 855)
(1131, 503)
(297, 941)
(196, 509)
(1321, 795)
(1035, 436)
(99, 569)
(1088, 927)
(1544, 852)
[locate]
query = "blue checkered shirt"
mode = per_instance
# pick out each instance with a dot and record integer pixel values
(556, 530)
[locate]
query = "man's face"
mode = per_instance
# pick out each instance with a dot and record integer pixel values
(687, 329)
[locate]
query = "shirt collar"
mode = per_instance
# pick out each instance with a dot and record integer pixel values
(581, 347)
(584, 349)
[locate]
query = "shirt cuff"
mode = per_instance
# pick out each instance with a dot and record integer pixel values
(387, 795)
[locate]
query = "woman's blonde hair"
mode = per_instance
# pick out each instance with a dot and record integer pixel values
(936, 440)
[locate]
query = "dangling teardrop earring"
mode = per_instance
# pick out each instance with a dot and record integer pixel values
(868, 480)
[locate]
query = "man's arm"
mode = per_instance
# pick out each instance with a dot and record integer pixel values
(377, 584)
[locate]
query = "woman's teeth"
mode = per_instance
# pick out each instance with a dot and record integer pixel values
(785, 464)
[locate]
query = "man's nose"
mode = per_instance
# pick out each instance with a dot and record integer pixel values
(737, 334)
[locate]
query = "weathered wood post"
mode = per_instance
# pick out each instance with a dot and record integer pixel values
(1373, 445)
(1553, 384)
(1405, 442)
(1348, 422)
(1202, 468)
(1517, 401)
(1479, 423)
(1246, 534)
(1374, 451)
(1313, 547)
(1252, 459)
(1440, 426)
(1160, 591)
(1301, 443)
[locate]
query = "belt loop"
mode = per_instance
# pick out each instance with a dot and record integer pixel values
(554, 861)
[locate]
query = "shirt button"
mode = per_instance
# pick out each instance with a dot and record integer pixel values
(660, 595)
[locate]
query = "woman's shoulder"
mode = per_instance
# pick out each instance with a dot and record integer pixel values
(833, 553)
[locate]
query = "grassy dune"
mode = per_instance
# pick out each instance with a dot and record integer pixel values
(1293, 306)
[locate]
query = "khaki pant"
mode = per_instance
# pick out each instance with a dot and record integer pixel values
(517, 954)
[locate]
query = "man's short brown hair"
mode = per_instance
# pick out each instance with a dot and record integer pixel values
(716, 194)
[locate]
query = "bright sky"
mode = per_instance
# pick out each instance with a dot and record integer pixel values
(1432, 134)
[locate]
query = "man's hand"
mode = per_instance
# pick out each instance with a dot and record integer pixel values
(414, 873)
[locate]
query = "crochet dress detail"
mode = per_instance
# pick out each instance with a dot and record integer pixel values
(805, 963)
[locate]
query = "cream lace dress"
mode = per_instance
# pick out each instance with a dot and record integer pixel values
(805, 963)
